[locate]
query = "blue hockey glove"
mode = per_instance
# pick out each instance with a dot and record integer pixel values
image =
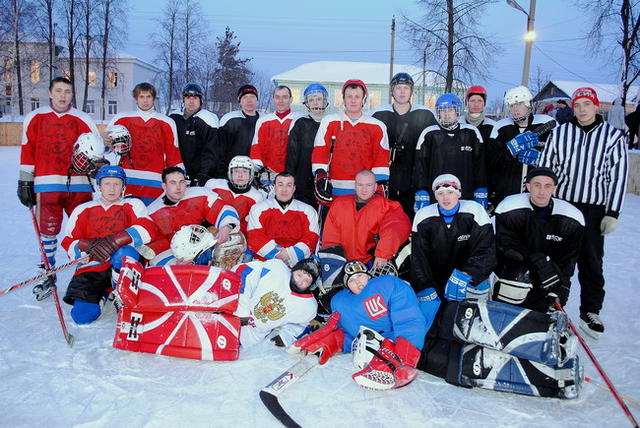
(456, 288)
(481, 291)
(522, 142)
(480, 196)
(421, 200)
(529, 157)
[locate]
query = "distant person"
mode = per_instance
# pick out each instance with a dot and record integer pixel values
(563, 113)
(633, 123)
(615, 115)
(237, 127)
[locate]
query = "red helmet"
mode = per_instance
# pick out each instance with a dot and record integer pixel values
(476, 90)
(355, 82)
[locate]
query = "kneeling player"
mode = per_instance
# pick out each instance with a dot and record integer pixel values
(106, 229)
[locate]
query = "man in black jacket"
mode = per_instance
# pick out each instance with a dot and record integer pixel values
(237, 127)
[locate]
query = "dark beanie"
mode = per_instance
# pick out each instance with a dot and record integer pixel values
(543, 170)
(247, 89)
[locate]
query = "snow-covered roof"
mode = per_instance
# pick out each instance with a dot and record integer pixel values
(607, 92)
(372, 73)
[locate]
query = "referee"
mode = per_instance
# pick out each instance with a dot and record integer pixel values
(589, 157)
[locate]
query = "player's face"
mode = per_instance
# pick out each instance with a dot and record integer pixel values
(282, 100)
(447, 199)
(302, 279)
(285, 186)
(248, 104)
(541, 189)
(191, 103)
(519, 110)
(585, 111)
(315, 102)
(357, 282)
(365, 187)
(353, 100)
(475, 104)
(240, 176)
(111, 189)
(145, 100)
(448, 115)
(174, 186)
(401, 93)
(61, 95)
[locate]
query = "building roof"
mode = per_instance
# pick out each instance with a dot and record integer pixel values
(607, 92)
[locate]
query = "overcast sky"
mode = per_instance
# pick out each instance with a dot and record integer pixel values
(280, 35)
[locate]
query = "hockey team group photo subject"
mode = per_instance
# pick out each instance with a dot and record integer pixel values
(343, 255)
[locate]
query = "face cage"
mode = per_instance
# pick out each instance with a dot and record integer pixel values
(81, 164)
(388, 269)
(324, 98)
(243, 186)
(121, 145)
(451, 184)
(448, 125)
(519, 118)
(196, 237)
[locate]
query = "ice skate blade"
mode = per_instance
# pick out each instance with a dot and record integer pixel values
(585, 328)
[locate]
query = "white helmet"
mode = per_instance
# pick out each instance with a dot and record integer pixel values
(241, 162)
(190, 241)
(87, 149)
(519, 94)
(121, 143)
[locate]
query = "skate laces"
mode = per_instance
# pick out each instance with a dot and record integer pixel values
(594, 318)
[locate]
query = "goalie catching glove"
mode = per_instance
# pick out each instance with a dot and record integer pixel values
(323, 188)
(325, 342)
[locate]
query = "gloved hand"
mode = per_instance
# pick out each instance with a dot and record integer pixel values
(26, 194)
(325, 342)
(608, 224)
(199, 180)
(422, 200)
(392, 367)
(456, 288)
(323, 188)
(480, 291)
(548, 274)
(85, 244)
(529, 157)
(102, 248)
(480, 195)
(522, 142)
(382, 188)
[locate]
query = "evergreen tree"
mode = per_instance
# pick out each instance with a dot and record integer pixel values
(231, 71)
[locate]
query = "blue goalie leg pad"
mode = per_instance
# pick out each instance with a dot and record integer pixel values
(85, 312)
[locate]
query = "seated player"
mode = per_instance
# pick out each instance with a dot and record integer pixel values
(107, 229)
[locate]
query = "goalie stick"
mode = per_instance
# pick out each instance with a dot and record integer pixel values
(270, 393)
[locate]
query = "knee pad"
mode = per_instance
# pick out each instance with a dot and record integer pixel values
(85, 312)
(125, 251)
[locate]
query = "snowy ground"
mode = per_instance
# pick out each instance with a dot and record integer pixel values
(46, 383)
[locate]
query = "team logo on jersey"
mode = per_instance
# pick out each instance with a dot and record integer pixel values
(555, 238)
(190, 132)
(375, 307)
(464, 238)
(466, 148)
(270, 307)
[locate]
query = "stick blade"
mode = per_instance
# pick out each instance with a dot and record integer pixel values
(273, 405)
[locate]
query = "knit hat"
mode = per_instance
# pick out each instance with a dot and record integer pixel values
(247, 89)
(543, 170)
(447, 182)
(585, 92)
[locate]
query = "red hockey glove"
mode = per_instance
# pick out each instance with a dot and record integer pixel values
(325, 342)
(392, 367)
(102, 248)
(84, 244)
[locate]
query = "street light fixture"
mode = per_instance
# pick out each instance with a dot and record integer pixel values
(529, 36)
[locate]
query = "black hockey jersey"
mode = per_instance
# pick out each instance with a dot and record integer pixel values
(198, 140)
(298, 161)
(236, 135)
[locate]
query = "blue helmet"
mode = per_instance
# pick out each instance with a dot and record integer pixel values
(401, 78)
(445, 102)
(111, 171)
(316, 88)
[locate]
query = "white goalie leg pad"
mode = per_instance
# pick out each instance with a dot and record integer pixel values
(512, 291)
(363, 346)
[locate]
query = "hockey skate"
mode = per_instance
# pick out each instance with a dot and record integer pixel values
(43, 289)
(570, 377)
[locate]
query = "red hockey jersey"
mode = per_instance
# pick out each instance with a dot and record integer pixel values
(269, 146)
(242, 202)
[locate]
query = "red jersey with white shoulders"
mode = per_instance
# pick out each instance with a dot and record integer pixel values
(271, 228)
(47, 145)
(359, 144)
(93, 219)
(154, 147)
(242, 202)
(269, 145)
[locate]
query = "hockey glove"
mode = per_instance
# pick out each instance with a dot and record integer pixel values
(199, 180)
(392, 367)
(383, 188)
(529, 157)
(325, 342)
(421, 200)
(102, 248)
(608, 224)
(480, 196)
(522, 142)
(323, 188)
(481, 291)
(26, 194)
(456, 288)
(548, 275)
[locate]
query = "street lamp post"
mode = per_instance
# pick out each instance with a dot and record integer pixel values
(529, 37)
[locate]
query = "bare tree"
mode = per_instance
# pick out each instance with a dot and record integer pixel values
(113, 20)
(71, 34)
(88, 9)
(195, 36)
(265, 88)
(623, 17)
(44, 11)
(165, 41)
(20, 13)
(450, 31)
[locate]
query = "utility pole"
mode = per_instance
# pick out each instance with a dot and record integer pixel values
(529, 37)
(424, 76)
(393, 39)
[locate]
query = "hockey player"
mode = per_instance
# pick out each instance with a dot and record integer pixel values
(589, 157)
(537, 239)
(449, 147)
(47, 180)
(236, 190)
(369, 226)
(512, 147)
(404, 121)
(154, 145)
(197, 130)
(476, 101)
(237, 127)
(107, 229)
(301, 138)
(282, 227)
(181, 205)
(269, 145)
(346, 143)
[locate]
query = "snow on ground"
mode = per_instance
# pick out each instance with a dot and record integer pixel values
(46, 383)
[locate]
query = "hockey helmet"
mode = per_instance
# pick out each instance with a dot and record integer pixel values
(120, 139)
(446, 102)
(401, 79)
(311, 266)
(240, 162)
(192, 90)
(114, 171)
(87, 149)
(365, 346)
(355, 82)
(476, 90)
(316, 88)
(519, 94)
(190, 241)
(352, 268)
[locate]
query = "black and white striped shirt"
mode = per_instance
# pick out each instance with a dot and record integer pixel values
(591, 166)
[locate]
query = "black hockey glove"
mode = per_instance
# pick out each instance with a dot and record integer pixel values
(323, 188)
(547, 273)
(26, 194)
(382, 188)
(199, 181)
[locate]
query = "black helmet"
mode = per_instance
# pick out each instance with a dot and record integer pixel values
(192, 90)
(312, 267)
(402, 78)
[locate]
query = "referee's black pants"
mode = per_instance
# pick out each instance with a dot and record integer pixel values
(590, 259)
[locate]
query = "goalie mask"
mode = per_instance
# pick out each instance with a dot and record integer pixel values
(240, 180)
(365, 346)
(312, 267)
(387, 269)
(121, 139)
(228, 254)
(448, 108)
(191, 241)
(87, 149)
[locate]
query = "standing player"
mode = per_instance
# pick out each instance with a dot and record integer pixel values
(197, 136)
(301, 138)
(154, 145)
(476, 102)
(237, 127)
(453, 147)
(589, 156)
(47, 181)
(404, 121)
(512, 146)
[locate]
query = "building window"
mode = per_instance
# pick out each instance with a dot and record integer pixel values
(92, 78)
(112, 107)
(35, 103)
(374, 99)
(113, 79)
(337, 97)
(8, 66)
(430, 100)
(295, 95)
(35, 71)
(90, 108)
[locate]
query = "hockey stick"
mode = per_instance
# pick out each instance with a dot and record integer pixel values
(54, 289)
(270, 393)
(322, 208)
(43, 275)
(605, 388)
(595, 362)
